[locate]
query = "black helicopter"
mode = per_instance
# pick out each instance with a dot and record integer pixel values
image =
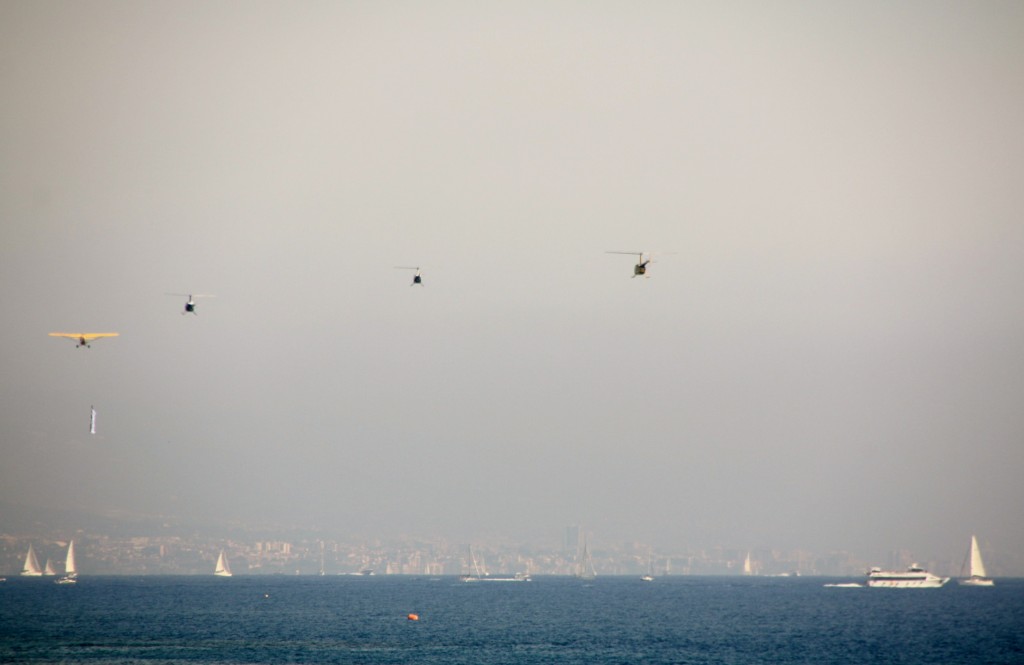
(640, 269)
(190, 305)
(416, 279)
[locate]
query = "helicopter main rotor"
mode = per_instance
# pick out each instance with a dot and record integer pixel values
(416, 279)
(640, 269)
(190, 304)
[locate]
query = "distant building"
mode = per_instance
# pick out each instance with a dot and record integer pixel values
(573, 539)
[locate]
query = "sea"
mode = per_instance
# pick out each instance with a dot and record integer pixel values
(549, 620)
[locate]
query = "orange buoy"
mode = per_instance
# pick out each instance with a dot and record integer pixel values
(413, 617)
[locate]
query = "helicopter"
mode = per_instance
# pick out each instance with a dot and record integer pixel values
(640, 269)
(190, 306)
(416, 279)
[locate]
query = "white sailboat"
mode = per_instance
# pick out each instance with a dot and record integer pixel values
(475, 571)
(31, 567)
(48, 569)
(748, 567)
(479, 572)
(70, 567)
(585, 565)
(649, 576)
(976, 570)
(222, 569)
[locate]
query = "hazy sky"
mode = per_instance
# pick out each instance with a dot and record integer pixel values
(829, 353)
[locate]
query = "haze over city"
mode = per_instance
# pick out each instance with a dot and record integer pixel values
(826, 351)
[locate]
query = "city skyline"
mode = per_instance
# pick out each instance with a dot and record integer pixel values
(122, 545)
(177, 555)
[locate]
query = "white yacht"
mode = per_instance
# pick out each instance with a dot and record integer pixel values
(914, 577)
(976, 568)
(518, 577)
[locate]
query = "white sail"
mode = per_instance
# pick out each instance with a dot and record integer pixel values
(70, 567)
(31, 567)
(977, 566)
(48, 569)
(748, 568)
(585, 566)
(474, 568)
(222, 569)
(92, 420)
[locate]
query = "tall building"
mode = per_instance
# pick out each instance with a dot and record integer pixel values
(573, 539)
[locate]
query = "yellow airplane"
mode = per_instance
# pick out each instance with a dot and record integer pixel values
(83, 338)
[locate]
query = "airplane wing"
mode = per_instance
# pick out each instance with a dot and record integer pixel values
(84, 335)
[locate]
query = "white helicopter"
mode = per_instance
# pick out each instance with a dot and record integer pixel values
(640, 269)
(416, 279)
(190, 305)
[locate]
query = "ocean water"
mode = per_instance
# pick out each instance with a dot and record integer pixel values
(549, 620)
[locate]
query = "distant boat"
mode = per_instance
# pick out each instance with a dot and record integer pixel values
(975, 567)
(585, 565)
(748, 568)
(915, 577)
(31, 567)
(222, 569)
(48, 569)
(845, 585)
(92, 420)
(70, 567)
(518, 577)
(480, 574)
(649, 575)
(475, 574)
